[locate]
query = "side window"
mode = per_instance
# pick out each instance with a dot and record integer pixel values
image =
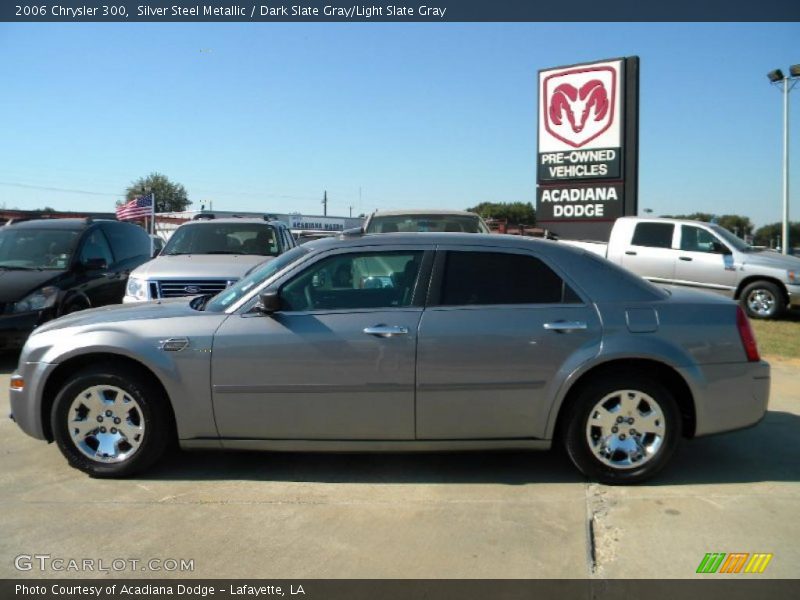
(472, 278)
(127, 241)
(354, 281)
(696, 239)
(96, 246)
(654, 235)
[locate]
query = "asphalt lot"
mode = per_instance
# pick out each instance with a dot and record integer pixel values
(493, 515)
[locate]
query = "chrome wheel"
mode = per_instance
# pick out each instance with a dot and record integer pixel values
(761, 302)
(105, 424)
(625, 429)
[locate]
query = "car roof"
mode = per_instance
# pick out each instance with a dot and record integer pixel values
(57, 223)
(423, 211)
(273, 223)
(435, 238)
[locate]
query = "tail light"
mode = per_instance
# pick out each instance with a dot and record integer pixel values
(747, 336)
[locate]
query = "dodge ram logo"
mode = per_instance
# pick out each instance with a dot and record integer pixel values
(579, 104)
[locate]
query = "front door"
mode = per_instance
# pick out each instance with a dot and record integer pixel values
(337, 362)
(704, 261)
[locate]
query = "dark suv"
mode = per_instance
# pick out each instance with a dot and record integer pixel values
(52, 267)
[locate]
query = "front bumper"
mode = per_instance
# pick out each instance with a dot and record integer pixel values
(730, 396)
(794, 294)
(15, 328)
(26, 407)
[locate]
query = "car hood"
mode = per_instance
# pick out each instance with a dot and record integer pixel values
(205, 266)
(120, 313)
(15, 285)
(768, 258)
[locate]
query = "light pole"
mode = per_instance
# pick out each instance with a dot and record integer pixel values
(777, 77)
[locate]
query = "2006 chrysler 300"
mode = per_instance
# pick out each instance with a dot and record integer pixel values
(400, 342)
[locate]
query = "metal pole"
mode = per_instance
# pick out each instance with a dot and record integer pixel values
(785, 229)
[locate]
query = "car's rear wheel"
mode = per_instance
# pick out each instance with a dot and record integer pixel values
(763, 300)
(111, 421)
(622, 429)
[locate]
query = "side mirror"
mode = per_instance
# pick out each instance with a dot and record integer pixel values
(720, 248)
(94, 264)
(269, 302)
(156, 252)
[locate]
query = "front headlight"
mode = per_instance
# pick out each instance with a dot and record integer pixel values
(136, 288)
(793, 276)
(38, 300)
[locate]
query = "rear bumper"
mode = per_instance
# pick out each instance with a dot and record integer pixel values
(730, 396)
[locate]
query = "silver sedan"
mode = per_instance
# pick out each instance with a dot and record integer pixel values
(400, 342)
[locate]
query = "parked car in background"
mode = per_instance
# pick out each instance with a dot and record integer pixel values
(704, 256)
(456, 221)
(207, 255)
(52, 267)
(468, 343)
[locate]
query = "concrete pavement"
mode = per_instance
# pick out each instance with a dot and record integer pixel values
(506, 515)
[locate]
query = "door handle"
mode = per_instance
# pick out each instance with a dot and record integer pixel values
(686, 258)
(630, 252)
(386, 331)
(565, 326)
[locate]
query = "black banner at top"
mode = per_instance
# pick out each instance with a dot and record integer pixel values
(396, 10)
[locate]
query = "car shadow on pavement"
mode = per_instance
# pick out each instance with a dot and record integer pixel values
(768, 452)
(512, 468)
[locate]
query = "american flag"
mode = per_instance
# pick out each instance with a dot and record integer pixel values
(136, 208)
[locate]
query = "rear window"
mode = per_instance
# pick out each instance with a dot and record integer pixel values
(653, 235)
(474, 278)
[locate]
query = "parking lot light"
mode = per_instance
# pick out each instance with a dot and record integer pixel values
(787, 83)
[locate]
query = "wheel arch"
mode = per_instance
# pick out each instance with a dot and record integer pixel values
(76, 363)
(753, 278)
(661, 372)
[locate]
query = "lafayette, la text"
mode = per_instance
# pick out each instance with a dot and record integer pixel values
(295, 10)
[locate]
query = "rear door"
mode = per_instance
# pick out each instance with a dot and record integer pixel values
(650, 253)
(499, 327)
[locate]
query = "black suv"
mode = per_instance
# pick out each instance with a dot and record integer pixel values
(52, 267)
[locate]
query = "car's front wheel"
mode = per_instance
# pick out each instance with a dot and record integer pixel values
(622, 429)
(111, 421)
(763, 300)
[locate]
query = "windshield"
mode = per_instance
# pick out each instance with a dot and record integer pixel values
(450, 223)
(36, 248)
(224, 238)
(731, 239)
(257, 276)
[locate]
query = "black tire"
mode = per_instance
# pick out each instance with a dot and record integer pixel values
(575, 435)
(152, 411)
(763, 293)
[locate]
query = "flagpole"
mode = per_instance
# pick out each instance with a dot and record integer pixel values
(152, 222)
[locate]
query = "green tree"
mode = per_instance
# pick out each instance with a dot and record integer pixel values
(768, 235)
(516, 213)
(170, 197)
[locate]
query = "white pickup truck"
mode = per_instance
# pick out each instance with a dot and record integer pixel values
(704, 256)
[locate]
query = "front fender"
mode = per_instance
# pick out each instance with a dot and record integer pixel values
(185, 375)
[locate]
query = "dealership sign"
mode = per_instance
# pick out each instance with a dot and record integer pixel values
(586, 167)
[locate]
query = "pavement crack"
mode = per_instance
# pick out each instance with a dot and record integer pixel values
(602, 537)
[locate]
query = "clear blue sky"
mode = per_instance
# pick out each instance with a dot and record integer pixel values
(267, 116)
